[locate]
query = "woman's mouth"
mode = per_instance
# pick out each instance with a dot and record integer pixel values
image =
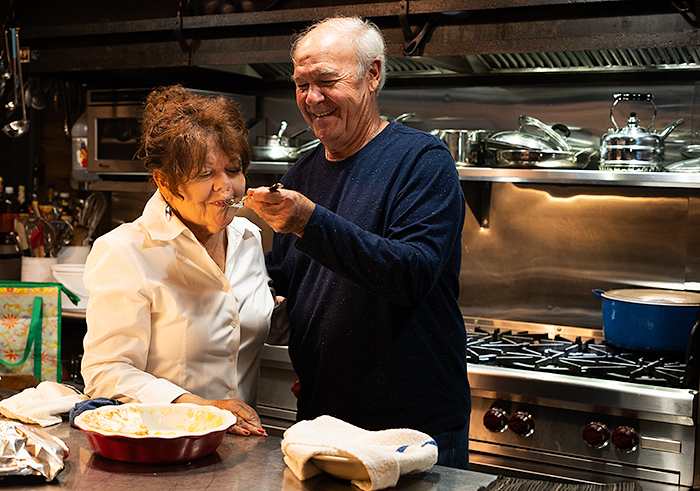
(224, 202)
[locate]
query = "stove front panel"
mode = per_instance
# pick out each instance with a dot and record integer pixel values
(555, 411)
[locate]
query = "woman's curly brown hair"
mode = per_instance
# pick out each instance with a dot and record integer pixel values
(176, 128)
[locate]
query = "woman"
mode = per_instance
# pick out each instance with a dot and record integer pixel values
(179, 304)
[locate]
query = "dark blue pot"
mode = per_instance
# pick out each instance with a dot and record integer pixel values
(636, 325)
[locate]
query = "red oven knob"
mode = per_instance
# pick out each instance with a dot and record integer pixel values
(624, 439)
(596, 435)
(522, 424)
(496, 420)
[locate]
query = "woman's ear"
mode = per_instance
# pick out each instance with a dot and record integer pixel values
(160, 181)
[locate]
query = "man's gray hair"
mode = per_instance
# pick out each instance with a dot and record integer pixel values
(366, 36)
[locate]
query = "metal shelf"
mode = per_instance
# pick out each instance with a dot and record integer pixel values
(582, 177)
(269, 167)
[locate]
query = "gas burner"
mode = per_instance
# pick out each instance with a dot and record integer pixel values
(584, 358)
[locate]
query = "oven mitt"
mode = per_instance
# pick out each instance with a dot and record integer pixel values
(43, 404)
(385, 454)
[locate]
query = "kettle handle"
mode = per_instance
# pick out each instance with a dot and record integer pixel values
(598, 293)
(631, 96)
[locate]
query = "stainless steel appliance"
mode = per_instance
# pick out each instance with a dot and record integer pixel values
(556, 402)
(113, 128)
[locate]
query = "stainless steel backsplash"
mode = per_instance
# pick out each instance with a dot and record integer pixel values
(549, 245)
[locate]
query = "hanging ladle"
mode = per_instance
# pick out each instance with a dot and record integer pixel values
(17, 128)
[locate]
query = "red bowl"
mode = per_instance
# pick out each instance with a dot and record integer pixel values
(155, 433)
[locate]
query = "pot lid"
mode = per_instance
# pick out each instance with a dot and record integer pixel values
(689, 165)
(648, 296)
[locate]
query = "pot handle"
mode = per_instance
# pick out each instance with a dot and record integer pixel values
(551, 136)
(598, 293)
(627, 96)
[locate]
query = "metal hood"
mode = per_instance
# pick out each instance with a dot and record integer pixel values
(428, 39)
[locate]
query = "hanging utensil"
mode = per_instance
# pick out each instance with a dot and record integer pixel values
(11, 103)
(94, 209)
(5, 67)
(35, 93)
(17, 128)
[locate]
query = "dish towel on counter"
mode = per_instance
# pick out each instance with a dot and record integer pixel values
(43, 404)
(386, 454)
(503, 483)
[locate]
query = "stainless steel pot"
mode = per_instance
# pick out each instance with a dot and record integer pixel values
(281, 153)
(466, 146)
(634, 147)
(280, 148)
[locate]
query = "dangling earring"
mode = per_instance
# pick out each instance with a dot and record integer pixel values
(168, 212)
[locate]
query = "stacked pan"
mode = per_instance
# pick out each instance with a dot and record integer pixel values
(537, 145)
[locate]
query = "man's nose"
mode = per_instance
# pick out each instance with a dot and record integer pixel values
(314, 95)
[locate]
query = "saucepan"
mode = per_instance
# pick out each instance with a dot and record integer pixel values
(281, 148)
(649, 319)
(466, 146)
(281, 152)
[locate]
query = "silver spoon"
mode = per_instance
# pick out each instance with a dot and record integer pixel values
(19, 127)
(231, 202)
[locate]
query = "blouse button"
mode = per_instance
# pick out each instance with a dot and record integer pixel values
(231, 358)
(232, 393)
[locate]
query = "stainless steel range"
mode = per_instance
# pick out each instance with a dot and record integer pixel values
(557, 401)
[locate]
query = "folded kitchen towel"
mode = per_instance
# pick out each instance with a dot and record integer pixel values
(43, 404)
(386, 454)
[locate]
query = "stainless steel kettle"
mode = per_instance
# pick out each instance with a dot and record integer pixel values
(634, 147)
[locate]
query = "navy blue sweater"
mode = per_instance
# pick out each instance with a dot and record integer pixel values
(377, 337)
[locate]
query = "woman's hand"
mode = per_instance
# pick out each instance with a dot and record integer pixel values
(247, 420)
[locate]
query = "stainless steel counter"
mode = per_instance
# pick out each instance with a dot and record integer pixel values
(239, 463)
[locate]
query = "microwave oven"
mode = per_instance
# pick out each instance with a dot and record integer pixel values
(114, 125)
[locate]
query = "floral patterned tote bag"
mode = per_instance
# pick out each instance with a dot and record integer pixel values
(30, 328)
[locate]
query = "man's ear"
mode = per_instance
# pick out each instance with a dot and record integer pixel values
(375, 73)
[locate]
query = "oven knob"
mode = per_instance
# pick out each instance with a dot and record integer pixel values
(624, 439)
(522, 424)
(596, 435)
(496, 420)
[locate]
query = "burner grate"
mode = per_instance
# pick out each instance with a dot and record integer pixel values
(584, 358)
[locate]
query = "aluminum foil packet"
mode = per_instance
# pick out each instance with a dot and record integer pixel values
(26, 451)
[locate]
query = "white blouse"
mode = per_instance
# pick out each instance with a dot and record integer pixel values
(163, 319)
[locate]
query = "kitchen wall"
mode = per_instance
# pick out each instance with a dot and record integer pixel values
(549, 245)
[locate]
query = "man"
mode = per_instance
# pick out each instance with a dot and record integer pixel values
(368, 252)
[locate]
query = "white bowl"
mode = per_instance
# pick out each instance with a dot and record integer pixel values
(71, 276)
